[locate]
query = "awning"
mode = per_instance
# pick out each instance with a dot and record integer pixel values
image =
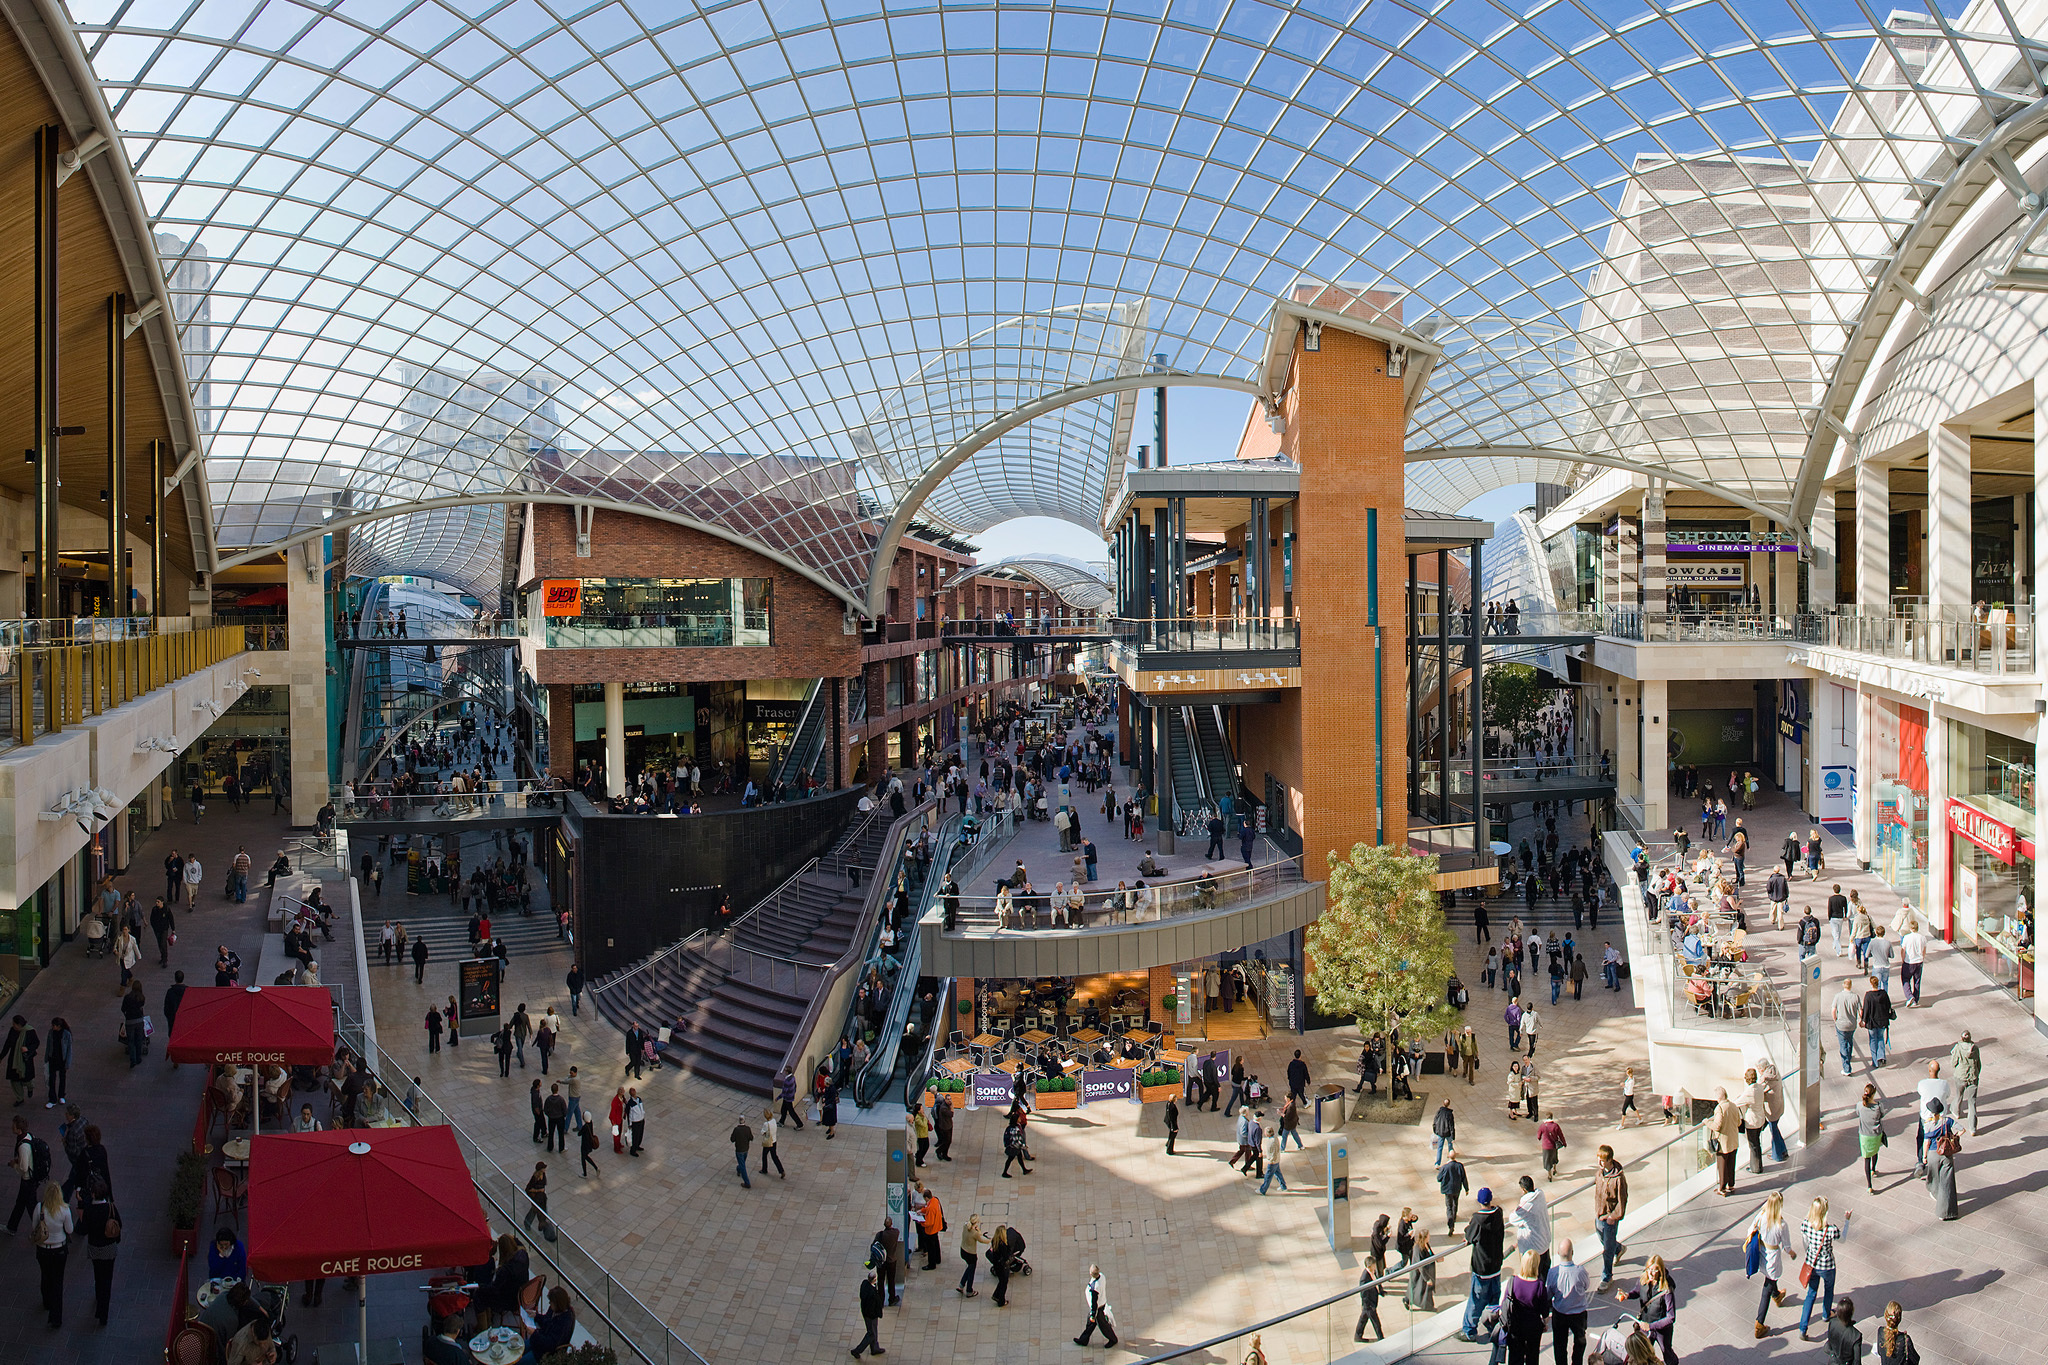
(255, 1026)
(362, 1201)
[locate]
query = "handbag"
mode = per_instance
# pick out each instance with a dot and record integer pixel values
(1805, 1274)
(1948, 1144)
(1753, 1253)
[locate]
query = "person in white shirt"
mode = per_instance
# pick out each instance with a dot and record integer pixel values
(1933, 1088)
(1912, 959)
(1531, 1222)
(192, 876)
(51, 1228)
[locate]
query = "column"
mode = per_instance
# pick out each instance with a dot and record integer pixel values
(1866, 771)
(1628, 564)
(2037, 577)
(1948, 523)
(615, 739)
(1476, 711)
(306, 630)
(1933, 899)
(1655, 597)
(1627, 741)
(1656, 756)
(1873, 555)
(1820, 571)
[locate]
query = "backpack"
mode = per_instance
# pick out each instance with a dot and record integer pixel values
(38, 1159)
(878, 1255)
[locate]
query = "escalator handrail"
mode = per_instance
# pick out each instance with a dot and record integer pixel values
(889, 1037)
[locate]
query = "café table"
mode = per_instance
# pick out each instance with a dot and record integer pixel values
(236, 1151)
(211, 1290)
(497, 1346)
(1126, 1063)
(1036, 1036)
(1172, 1057)
(956, 1066)
(984, 1040)
(1011, 1067)
(1089, 1035)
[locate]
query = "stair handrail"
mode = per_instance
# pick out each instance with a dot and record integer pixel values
(598, 987)
(863, 929)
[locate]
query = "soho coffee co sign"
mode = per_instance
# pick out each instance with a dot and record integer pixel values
(1993, 836)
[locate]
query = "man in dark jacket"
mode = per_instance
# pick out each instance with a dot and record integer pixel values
(942, 1128)
(1445, 1126)
(870, 1316)
(1483, 1234)
(162, 923)
(1451, 1179)
(634, 1038)
(1877, 1017)
(1211, 1084)
(419, 960)
(1297, 1078)
(174, 996)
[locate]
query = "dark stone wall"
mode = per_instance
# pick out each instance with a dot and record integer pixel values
(643, 883)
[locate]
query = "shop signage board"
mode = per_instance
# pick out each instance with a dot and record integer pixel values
(1837, 792)
(990, 1090)
(562, 597)
(1280, 990)
(1111, 1083)
(1722, 574)
(1966, 894)
(1993, 836)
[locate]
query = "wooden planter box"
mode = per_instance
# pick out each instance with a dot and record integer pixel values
(956, 1099)
(1155, 1094)
(1056, 1099)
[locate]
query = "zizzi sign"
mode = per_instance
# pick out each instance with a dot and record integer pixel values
(371, 1265)
(1993, 836)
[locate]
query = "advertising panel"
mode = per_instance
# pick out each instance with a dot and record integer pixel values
(1111, 1083)
(990, 1090)
(1713, 738)
(562, 597)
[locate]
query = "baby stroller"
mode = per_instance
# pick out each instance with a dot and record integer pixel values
(1017, 1264)
(1611, 1346)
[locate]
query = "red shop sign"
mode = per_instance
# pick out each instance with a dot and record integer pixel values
(1993, 836)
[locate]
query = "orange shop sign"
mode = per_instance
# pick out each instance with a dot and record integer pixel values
(561, 597)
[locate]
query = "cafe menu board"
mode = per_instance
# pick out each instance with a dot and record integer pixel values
(477, 989)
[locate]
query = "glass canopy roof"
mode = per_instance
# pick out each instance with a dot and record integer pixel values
(762, 266)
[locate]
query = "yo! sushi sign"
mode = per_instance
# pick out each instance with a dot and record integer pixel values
(1110, 1083)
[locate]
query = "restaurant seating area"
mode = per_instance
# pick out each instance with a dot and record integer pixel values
(1053, 1026)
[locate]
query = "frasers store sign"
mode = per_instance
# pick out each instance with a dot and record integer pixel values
(1993, 836)
(372, 1265)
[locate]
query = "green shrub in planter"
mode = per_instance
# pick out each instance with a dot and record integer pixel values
(188, 1189)
(1162, 1076)
(1055, 1085)
(949, 1085)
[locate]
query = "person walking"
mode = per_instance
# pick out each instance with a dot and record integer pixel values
(1297, 1079)
(1845, 1343)
(1571, 1296)
(1005, 1249)
(1445, 1128)
(1452, 1181)
(1095, 1295)
(921, 1131)
(537, 1102)
(972, 1239)
(934, 1223)
(636, 1121)
(1894, 1345)
(163, 924)
(419, 961)
(56, 1063)
(871, 1303)
(555, 1109)
(586, 1140)
(1610, 1206)
(1525, 1309)
(501, 1047)
(1529, 1023)
(1485, 1234)
(1172, 1122)
(1236, 1087)
(51, 1228)
(1819, 1237)
(785, 1088)
(1726, 1134)
(537, 1198)
(1468, 1054)
(942, 1129)
(1769, 1243)
(742, 1136)
(1659, 1299)
(1944, 1145)
(100, 1223)
(1550, 1141)
(1876, 1015)
(1275, 1145)
(1369, 1303)
(574, 981)
(766, 1132)
(1965, 1069)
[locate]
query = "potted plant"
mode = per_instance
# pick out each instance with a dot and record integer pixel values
(589, 1353)
(945, 1090)
(1168, 1002)
(1160, 1083)
(188, 1192)
(1057, 1092)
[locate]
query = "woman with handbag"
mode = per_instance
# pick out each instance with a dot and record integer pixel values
(1944, 1144)
(1870, 1133)
(1659, 1298)
(1818, 1274)
(1768, 1244)
(101, 1223)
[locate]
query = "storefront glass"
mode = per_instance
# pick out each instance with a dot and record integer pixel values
(1900, 749)
(1991, 835)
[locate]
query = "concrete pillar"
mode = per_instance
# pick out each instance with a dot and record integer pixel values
(1628, 565)
(306, 668)
(1948, 523)
(1656, 756)
(1873, 548)
(1627, 746)
(1933, 898)
(615, 739)
(1866, 769)
(2037, 577)
(1820, 573)
(1656, 598)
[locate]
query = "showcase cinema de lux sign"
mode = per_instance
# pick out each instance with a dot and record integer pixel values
(1993, 836)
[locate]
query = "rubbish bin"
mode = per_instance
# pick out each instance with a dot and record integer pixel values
(1332, 1098)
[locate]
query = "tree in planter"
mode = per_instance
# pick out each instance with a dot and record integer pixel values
(1514, 699)
(1380, 951)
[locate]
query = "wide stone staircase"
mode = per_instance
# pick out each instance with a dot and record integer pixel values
(741, 997)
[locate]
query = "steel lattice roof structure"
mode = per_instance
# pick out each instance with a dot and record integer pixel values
(798, 272)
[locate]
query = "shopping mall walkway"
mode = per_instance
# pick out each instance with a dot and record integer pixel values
(1967, 1286)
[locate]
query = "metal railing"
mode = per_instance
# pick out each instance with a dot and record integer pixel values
(2002, 643)
(676, 949)
(266, 635)
(881, 1065)
(440, 626)
(1507, 626)
(500, 795)
(47, 684)
(1324, 1330)
(656, 630)
(1202, 634)
(611, 1313)
(998, 628)
(1155, 901)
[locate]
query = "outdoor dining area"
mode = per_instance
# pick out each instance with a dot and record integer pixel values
(1711, 953)
(1056, 1026)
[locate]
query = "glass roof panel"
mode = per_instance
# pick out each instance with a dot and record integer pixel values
(766, 267)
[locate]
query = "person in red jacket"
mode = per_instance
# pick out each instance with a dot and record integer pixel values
(1550, 1138)
(619, 1120)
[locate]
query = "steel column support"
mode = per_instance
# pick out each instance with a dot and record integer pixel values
(1443, 686)
(156, 527)
(117, 458)
(1476, 694)
(1414, 647)
(44, 403)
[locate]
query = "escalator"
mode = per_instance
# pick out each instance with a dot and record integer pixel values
(1219, 768)
(810, 751)
(1185, 768)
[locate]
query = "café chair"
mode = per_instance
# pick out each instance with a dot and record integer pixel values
(194, 1343)
(529, 1299)
(230, 1191)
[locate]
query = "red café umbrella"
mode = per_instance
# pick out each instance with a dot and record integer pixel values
(362, 1201)
(250, 1026)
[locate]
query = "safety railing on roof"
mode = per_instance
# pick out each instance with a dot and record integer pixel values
(1206, 634)
(68, 671)
(1200, 894)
